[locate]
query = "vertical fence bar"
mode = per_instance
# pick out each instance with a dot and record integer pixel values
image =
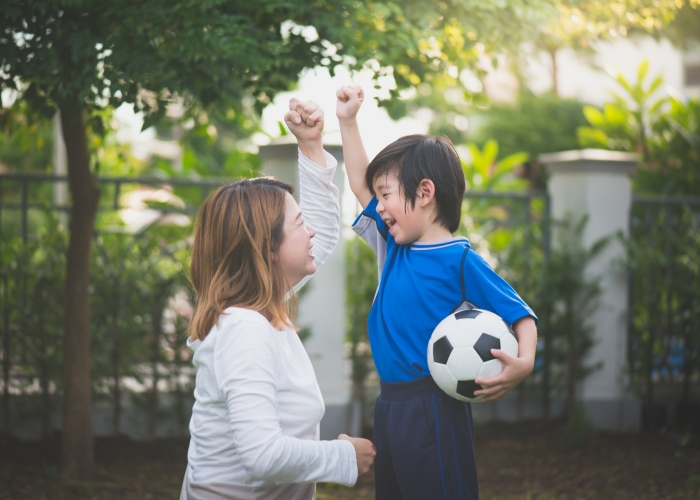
(649, 361)
(117, 188)
(24, 209)
(547, 229)
(668, 221)
(631, 333)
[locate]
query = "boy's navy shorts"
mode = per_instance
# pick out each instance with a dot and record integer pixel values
(425, 444)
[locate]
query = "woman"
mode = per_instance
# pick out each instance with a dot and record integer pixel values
(254, 427)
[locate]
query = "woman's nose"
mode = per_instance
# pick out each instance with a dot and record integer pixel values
(311, 230)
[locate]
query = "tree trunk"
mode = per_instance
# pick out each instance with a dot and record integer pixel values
(77, 446)
(6, 355)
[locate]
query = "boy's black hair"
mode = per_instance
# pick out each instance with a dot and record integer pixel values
(417, 157)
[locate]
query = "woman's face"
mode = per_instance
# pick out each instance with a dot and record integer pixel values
(296, 251)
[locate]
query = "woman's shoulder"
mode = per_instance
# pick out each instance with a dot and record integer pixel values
(243, 326)
(236, 315)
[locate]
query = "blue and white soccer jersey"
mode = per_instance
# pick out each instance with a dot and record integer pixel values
(419, 285)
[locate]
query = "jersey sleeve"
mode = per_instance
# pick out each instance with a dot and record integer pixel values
(370, 227)
(487, 290)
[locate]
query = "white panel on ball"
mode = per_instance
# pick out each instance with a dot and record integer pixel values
(442, 376)
(490, 369)
(464, 363)
(492, 324)
(509, 345)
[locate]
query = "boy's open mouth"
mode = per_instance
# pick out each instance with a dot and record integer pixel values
(390, 222)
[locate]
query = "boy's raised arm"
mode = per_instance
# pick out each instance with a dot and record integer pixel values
(350, 99)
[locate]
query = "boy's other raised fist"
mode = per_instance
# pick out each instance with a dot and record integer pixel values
(304, 119)
(350, 99)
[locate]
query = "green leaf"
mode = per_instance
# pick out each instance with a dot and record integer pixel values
(510, 162)
(589, 137)
(655, 84)
(594, 116)
(642, 71)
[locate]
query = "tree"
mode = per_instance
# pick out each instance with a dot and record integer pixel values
(580, 23)
(79, 56)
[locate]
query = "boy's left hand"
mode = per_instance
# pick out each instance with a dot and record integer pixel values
(515, 370)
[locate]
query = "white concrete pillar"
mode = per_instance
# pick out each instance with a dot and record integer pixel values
(323, 306)
(596, 182)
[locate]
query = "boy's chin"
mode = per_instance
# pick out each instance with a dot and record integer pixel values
(404, 240)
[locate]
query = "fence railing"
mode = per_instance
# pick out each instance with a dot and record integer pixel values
(140, 301)
(140, 297)
(664, 295)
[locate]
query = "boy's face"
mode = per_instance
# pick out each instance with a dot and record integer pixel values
(405, 225)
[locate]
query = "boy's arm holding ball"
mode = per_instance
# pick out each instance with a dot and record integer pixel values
(515, 370)
(350, 99)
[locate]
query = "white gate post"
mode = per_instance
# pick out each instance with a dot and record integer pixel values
(323, 306)
(596, 182)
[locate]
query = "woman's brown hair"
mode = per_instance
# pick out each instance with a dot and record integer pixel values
(238, 229)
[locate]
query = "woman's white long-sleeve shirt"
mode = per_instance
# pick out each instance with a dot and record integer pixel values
(255, 422)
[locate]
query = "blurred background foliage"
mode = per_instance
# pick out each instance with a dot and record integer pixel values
(140, 297)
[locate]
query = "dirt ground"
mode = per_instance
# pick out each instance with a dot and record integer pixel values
(527, 461)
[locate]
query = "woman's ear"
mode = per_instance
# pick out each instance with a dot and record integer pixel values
(274, 256)
(426, 192)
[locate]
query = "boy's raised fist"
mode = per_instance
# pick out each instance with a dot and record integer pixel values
(350, 99)
(304, 119)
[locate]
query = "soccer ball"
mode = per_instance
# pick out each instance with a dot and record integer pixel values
(459, 351)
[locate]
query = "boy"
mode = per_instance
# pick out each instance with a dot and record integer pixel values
(411, 195)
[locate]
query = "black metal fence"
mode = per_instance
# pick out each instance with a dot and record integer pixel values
(140, 300)
(140, 297)
(664, 295)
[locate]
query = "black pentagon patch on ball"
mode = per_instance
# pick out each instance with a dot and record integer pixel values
(467, 314)
(484, 345)
(466, 388)
(441, 350)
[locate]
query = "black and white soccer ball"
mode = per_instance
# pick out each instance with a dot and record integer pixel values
(459, 351)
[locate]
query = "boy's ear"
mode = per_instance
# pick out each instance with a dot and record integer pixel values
(425, 193)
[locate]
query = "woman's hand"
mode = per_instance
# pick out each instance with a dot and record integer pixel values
(305, 120)
(364, 450)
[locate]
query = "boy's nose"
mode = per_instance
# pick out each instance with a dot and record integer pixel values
(311, 230)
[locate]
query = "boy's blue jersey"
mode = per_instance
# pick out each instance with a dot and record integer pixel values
(419, 285)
